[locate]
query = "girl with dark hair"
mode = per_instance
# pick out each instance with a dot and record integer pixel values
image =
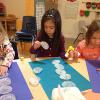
(90, 47)
(50, 36)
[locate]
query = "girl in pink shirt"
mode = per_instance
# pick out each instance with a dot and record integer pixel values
(90, 47)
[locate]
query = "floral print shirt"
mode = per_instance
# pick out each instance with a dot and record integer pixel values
(6, 53)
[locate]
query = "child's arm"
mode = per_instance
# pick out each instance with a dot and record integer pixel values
(35, 46)
(62, 48)
(9, 55)
(74, 53)
(79, 48)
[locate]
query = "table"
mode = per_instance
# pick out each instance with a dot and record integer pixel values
(38, 92)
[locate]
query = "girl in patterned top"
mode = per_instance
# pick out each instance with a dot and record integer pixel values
(6, 52)
(50, 33)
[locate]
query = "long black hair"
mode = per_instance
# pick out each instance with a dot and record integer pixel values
(94, 27)
(54, 15)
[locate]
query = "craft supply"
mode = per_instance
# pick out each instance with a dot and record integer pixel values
(44, 45)
(33, 81)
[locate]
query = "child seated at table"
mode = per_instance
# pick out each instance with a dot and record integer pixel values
(50, 41)
(6, 52)
(89, 48)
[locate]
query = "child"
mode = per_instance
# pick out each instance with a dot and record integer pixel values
(51, 34)
(6, 52)
(90, 47)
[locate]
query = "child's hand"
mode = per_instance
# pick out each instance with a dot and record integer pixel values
(76, 54)
(37, 44)
(73, 55)
(33, 57)
(3, 70)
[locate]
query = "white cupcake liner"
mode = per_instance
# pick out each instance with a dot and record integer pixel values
(5, 81)
(8, 96)
(5, 89)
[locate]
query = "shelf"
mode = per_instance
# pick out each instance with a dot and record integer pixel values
(92, 10)
(84, 1)
(90, 7)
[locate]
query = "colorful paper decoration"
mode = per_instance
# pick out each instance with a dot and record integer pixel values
(93, 4)
(98, 5)
(87, 13)
(88, 5)
(71, 0)
(81, 12)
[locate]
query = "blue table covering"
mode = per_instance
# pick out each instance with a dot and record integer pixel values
(50, 80)
(19, 85)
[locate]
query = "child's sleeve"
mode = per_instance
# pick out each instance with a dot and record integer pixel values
(62, 47)
(32, 51)
(80, 46)
(9, 56)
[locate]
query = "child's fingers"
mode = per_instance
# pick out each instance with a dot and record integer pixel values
(3, 70)
(98, 69)
(37, 44)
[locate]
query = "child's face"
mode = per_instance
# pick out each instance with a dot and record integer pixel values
(49, 28)
(95, 39)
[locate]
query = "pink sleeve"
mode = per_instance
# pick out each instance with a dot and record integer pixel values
(80, 46)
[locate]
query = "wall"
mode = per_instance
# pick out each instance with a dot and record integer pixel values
(16, 7)
(26, 7)
(19, 8)
(70, 26)
(29, 7)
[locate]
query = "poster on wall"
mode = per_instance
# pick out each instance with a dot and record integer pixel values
(71, 9)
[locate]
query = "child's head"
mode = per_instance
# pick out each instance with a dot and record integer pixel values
(93, 34)
(51, 23)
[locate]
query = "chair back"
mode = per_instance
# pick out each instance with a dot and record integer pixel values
(29, 29)
(29, 24)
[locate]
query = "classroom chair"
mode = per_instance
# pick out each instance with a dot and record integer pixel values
(28, 31)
